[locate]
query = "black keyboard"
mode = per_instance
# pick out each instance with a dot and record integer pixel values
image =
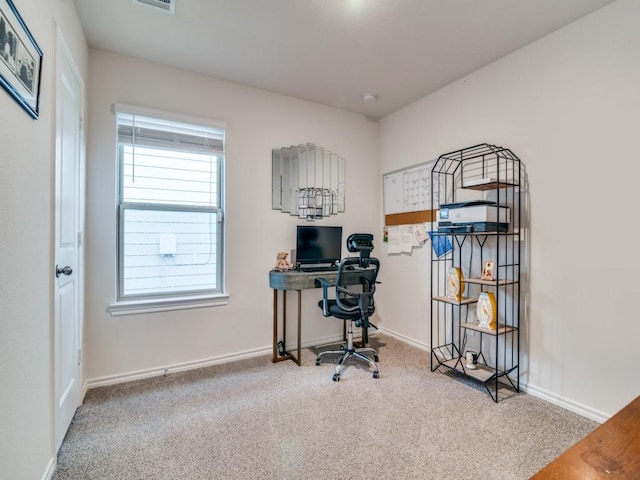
(318, 269)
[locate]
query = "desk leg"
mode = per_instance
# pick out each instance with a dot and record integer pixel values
(287, 356)
(274, 358)
(299, 326)
(284, 320)
(276, 354)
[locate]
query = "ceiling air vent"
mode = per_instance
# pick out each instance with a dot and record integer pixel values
(168, 6)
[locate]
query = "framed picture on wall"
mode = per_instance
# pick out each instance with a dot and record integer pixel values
(20, 60)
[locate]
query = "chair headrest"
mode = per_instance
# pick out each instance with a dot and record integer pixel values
(357, 242)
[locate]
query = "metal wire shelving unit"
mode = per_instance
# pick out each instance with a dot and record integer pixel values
(484, 173)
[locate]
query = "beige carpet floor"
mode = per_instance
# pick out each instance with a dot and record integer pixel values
(253, 419)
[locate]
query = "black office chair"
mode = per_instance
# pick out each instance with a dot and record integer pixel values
(353, 306)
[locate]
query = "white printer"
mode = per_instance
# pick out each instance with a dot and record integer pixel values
(473, 216)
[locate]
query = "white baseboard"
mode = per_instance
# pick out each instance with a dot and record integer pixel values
(407, 340)
(566, 403)
(51, 467)
(173, 368)
(317, 342)
(206, 362)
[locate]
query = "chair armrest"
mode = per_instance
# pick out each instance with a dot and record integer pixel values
(325, 294)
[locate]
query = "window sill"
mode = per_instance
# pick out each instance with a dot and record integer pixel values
(134, 307)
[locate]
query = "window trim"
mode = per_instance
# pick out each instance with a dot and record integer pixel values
(166, 304)
(147, 303)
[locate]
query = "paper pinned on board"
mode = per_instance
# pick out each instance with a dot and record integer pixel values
(394, 240)
(403, 238)
(407, 238)
(420, 233)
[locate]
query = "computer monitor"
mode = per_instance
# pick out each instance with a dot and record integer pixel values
(318, 244)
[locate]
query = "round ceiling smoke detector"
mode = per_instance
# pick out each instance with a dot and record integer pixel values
(369, 97)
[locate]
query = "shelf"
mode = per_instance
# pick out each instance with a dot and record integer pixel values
(491, 185)
(481, 372)
(490, 283)
(453, 301)
(493, 176)
(477, 234)
(501, 330)
(487, 375)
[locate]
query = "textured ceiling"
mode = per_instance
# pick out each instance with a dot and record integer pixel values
(330, 51)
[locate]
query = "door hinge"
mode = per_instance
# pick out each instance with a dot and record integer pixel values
(79, 357)
(79, 239)
(80, 123)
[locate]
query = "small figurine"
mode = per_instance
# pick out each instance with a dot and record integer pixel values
(283, 262)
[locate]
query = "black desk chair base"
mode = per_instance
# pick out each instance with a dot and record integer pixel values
(349, 351)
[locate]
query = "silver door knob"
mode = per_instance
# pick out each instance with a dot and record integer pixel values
(63, 271)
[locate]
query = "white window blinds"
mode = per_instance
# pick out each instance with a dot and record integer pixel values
(149, 132)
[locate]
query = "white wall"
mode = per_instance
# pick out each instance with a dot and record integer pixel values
(568, 106)
(26, 260)
(117, 347)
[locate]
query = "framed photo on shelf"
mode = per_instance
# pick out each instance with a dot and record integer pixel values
(487, 271)
(20, 60)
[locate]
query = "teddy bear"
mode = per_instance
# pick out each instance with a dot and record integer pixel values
(283, 262)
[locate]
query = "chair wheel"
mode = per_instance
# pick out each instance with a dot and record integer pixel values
(375, 358)
(317, 361)
(336, 377)
(376, 374)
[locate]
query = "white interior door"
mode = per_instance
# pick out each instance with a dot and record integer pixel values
(68, 238)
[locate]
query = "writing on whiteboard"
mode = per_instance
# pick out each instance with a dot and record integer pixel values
(409, 190)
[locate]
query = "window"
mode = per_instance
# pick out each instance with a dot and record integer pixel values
(170, 225)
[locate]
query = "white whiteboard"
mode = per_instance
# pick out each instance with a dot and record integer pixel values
(408, 189)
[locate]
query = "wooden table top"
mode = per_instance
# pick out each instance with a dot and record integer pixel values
(611, 451)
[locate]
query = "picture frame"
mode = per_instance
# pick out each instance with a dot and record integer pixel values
(20, 60)
(487, 271)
